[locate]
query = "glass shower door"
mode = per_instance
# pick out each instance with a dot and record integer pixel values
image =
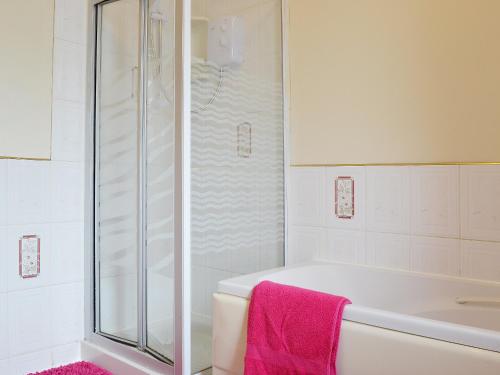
(136, 164)
(160, 178)
(117, 169)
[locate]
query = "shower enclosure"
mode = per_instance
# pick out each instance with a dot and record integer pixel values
(185, 172)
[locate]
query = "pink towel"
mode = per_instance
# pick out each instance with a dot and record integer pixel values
(292, 331)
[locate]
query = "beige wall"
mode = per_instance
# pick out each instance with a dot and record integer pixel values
(26, 41)
(393, 81)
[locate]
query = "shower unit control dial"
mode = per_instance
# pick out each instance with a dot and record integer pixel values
(225, 41)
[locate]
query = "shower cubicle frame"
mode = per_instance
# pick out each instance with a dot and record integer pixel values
(139, 354)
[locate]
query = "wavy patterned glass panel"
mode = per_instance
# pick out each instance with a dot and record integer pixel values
(237, 180)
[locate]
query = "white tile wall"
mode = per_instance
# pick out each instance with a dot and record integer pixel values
(66, 313)
(4, 327)
(3, 256)
(388, 199)
(67, 249)
(69, 23)
(4, 366)
(480, 205)
(28, 184)
(65, 354)
(29, 321)
(435, 255)
(481, 260)
(41, 319)
(307, 196)
(435, 201)
(388, 250)
(68, 119)
(306, 243)
(66, 193)
(33, 362)
(346, 246)
(69, 70)
(432, 219)
(3, 192)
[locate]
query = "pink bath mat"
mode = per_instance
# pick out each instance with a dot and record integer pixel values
(79, 368)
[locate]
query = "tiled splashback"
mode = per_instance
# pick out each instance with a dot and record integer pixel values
(431, 219)
(41, 319)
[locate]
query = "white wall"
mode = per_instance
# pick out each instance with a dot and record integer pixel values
(41, 319)
(26, 42)
(432, 219)
(391, 81)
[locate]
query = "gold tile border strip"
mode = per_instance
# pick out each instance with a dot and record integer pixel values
(23, 158)
(300, 165)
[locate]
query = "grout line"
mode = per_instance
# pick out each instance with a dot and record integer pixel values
(459, 214)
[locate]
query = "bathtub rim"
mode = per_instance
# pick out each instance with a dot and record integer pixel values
(479, 338)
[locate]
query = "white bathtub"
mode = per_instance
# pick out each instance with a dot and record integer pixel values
(395, 317)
